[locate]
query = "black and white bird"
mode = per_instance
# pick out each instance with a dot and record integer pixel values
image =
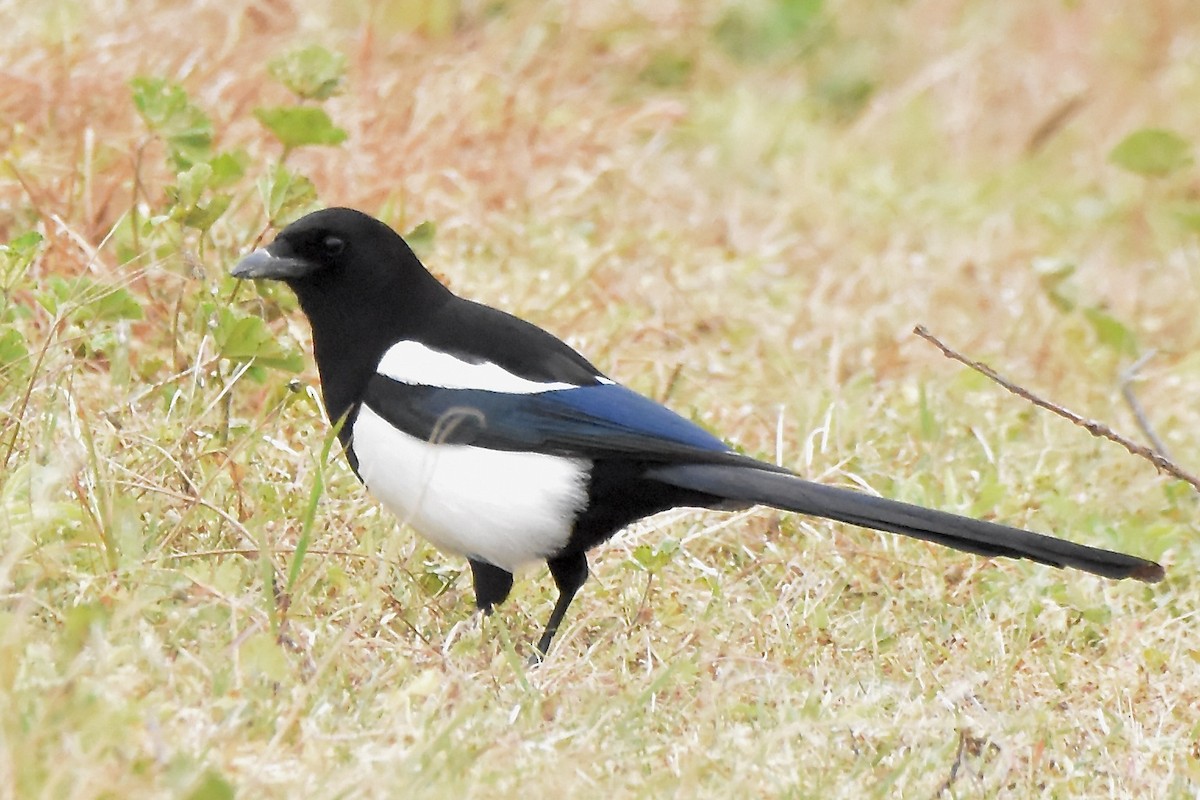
(498, 442)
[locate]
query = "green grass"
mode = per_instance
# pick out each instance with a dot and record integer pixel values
(743, 209)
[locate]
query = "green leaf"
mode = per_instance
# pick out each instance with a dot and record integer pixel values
(652, 559)
(845, 90)
(245, 338)
(190, 205)
(1152, 152)
(286, 195)
(228, 168)
(297, 126)
(313, 73)
(24, 247)
(12, 347)
(212, 787)
(17, 256)
(1111, 331)
(421, 237)
(1155, 659)
(202, 215)
(79, 623)
(797, 24)
(667, 70)
(261, 655)
(1098, 615)
(1054, 276)
(430, 18)
(114, 304)
(190, 185)
(1187, 214)
(84, 298)
(171, 115)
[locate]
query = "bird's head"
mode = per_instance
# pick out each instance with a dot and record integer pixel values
(360, 286)
(339, 255)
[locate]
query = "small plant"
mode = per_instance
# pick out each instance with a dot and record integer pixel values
(203, 175)
(1159, 155)
(313, 74)
(15, 259)
(1152, 153)
(1055, 278)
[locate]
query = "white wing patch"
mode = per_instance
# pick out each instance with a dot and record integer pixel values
(415, 364)
(506, 508)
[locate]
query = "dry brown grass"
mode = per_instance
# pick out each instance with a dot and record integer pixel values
(730, 242)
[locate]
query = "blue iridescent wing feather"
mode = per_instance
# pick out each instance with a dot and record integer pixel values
(601, 421)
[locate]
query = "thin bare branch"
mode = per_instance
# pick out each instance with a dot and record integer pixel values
(1139, 414)
(1160, 461)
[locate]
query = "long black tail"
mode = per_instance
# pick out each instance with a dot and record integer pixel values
(791, 493)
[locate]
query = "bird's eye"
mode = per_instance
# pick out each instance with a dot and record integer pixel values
(333, 245)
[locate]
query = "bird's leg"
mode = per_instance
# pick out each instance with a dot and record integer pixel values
(492, 584)
(569, 573)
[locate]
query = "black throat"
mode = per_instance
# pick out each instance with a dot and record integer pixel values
(353, 326)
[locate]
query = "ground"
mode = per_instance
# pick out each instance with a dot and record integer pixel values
(740, 209)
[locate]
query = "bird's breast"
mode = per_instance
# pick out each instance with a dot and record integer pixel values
(505, 508)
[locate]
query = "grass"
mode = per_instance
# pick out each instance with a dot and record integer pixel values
(741, 209)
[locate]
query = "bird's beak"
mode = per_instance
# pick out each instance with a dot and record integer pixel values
(262, 263)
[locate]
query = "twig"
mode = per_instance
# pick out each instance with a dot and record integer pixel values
(1054, 122)
(956, 766)
(1139, 414)
(1099, 429)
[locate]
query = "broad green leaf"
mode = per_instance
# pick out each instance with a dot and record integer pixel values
(1187, 214)
(797, 24)
(313, 73)
(17, 256)
(286, 195)
(190, 184)
(845, 90)
(297, 126)
(433, 18)
(79, 622)
(652, 559)
(1154, 659)
(193, 205)
(171, 115)
(667, 70)
(228, 168)
(202, 215)
(114, 304)
(245, 338)
(421, 237)
(84, 298)
(23, 247)
(1152, 152)
(261, 655)
(12, 346)
(212, 787)
(1111, 331)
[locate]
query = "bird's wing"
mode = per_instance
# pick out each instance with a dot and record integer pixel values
(598, 421)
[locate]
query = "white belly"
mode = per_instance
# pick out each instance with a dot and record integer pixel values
(505, 508)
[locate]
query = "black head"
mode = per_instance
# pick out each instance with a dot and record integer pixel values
(360, 286)
(332, 251)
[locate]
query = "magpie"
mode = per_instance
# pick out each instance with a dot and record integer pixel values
(498, 442)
